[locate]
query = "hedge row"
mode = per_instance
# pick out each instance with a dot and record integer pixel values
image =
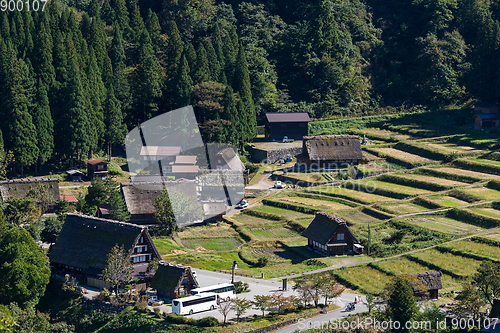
(495, 205)
(339, 195)
(290, 206)
(413, 148)
(447, 175)
(425, 202)
(384, 192)
(394, 159)
(374, 136)
(478, 166)
(473, 218)
(433, 266)
(379, 268)
(494, 184)
(391, 178)
(264, 215)
(326, 198)
(377, 213)
(493, 156)
(460, 253)
(486, 241)
(461, 195)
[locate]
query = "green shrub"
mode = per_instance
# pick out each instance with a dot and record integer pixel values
(337, 196)
(262, 261)
(424, 202)
(246, 259)
(494, 184)
(315, 262)
(241, 287)
(376, 213)
(461, 195)
(114, 170)
(208, 322)
(264, 215)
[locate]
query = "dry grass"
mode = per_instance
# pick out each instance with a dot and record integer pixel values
(490, 212)
(450, 147)
(401, 155)
(385, 133)
(314, 202)
(370, 185)
(477, 248)
(435, 180)
(484, 193)
(368, 197)
(443, 224)
(208, 231)
(469, 173)
(404, 208)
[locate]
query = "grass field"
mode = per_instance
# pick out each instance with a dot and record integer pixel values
(208, 231)
(447, 200)
(485, 211)
(404, 208)
(451, 147)
(321, 204)
(404, 266)
(165, 246)
(352, 194)
(372, 280)
(442, 224)
(385, 134)
(494, 236)
(370, 185)
(401, 155)
(308, 177)
(212, 244)
(276, 232)
(477, 248)
(456, 264)
(468, 173)
(435, 180)
(250, 220)
(355, 216)
(282, 212)
(484, 193)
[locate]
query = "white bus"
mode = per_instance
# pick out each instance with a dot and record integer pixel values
(192, 304)
(225, 291)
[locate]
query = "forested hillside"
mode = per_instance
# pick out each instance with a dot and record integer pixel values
(76, 76)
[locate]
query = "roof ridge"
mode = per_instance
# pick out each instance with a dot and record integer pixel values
(99, 219)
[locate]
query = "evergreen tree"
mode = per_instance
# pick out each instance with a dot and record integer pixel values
(136, 22)
(107, 13)
(174, 50)
(183, 85)
(230, 51)
(154, 29)
(190, 55)
(213, 62)
(85, 25)
(118, 211)
(326, 36)
(122, 17)
(402, 305)
(243, 87)
(115, 128)
(42, 120)
(63, 22)
(164, 215)
(218, 46)
(4, 25)
(201, 71)
(97, 40)
(43, 56)
(97, 95)
(94, 8)
(231, 115)
(118, 58)
(147, 79)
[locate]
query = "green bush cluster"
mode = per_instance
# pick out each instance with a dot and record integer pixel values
(247, 259)
(496, 205)
(290, 206)
(478, 166)
(183, 320)
(315, 262)
(494, 184)
(241, 287)
(472, 218)
(447, 175)
(264, 215)
(391, 178)
(295, 226)
(114, 170)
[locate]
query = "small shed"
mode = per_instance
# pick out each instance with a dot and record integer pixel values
(97, 168)
(432, 281)
(103, 211)
(173, 280)
(293, 125)
(332, 151)
(75, 175)
(486, 120)
(329, 235)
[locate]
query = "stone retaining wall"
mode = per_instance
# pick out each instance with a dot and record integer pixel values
(270, 156)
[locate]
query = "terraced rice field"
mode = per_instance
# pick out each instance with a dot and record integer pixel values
(352, 194)
(372, 280)
(456, 264)
(401, 155)
(282, 212)
(250, 220)
(404, 208)
(322, 204)
(469, 173)
(484, 193)
(450, 147)
(477, 248)
(356, 217)
(213, 244)
(385, 133)
(208, 231)
(272, 233)
(490, 212)
(448, 201)
(493, 236)
(372, 185)
(442, 224)
(403, 265)
(435, 180)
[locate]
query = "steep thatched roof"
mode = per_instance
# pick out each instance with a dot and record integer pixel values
(324, 226)
(431, 280)
(21, 187)
(85, 241)
(169, 276)
(332, 147)
(287, 117)
(160, 150)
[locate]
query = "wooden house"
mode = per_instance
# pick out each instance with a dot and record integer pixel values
(103, 211)
(329, 235)
(332, 151)
(486, 115)
(22, 188)
(75, 175)
(84, 242)
(431, 281)
(97, 168)
(293, 125)
(173, 280)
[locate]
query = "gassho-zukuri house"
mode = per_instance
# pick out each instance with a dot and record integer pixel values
(173, 280)
(84, 243)
(329, 235)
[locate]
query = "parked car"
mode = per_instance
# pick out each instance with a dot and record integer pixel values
(278, 184)
(288, 158)
(154, 300)
(286, 139)
(243, 204)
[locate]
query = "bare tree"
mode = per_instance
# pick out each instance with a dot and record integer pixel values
(225, 307)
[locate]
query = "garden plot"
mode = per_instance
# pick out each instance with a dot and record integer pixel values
(442, 224)
(402, 156)
(435, 180)
(404, 208)
(371, 280)
(448, 201)
(484, 193)
(250, 220)
(272, 233)
(321, 204)
(307, 177)
(356, 217)
(212, 244)
(456, 264)
(476, 248)
(285, 213)
(385, 134)
(348, 193)
(490, 212)
(469, 173)
(208, 231)
(403, 265)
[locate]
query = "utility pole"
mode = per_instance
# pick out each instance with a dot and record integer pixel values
(369, 238)
(234, 266)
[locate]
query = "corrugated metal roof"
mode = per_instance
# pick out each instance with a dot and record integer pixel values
(287, 117)
(488, 115)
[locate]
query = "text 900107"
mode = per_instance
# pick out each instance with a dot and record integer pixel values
(20, 5)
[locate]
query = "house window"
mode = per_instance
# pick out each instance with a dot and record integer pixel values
(100, 167)
(139, 249)
(142, 239)
(340, 237)
(145, 248)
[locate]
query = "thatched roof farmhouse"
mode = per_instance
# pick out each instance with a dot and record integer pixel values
(332, 150)
(173, 280)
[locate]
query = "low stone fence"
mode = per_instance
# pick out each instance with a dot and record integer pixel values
(270, 156)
